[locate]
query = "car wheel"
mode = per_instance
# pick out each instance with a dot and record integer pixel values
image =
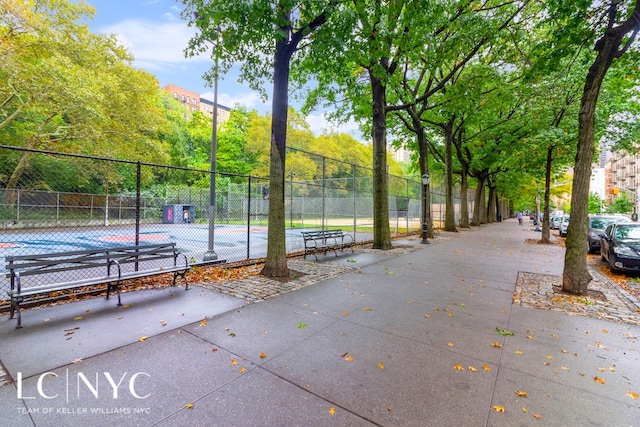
(612, 261)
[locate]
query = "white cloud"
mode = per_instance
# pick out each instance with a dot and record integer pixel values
(320, 123)
(251, 100)
(153, 43)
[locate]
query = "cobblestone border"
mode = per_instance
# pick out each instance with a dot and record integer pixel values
(259, 288)
(536, 290)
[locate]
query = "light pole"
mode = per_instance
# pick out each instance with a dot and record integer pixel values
(425, 223)
(211, 255)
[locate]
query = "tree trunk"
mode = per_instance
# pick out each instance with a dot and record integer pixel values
(546, 232)
(381, 230)
(576, 277)
(478, 203)
(491, 204)
(464, 201)
(276, 262)
(449, 213)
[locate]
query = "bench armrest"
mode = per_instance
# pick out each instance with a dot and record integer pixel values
(112, 262)
(175, 260)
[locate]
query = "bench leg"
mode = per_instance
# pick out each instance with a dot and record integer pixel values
(184, 279)
(117, 287)
(17, 309)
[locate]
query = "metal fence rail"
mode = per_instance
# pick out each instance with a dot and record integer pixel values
(64, 202)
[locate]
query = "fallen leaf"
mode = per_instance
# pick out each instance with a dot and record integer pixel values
(389, 409)
(504, 332)
(126, 306)
(77, 318)
(142, 339)
(458, 367)
(536, 416)
(427, 316)
(189, 405)
(332, 411)
(549, 357)
(450, 314)
(203, 323)
(381, 365)
(346, 313)
(632, 395)
(344, 354)
(87, 311)
(472, 369)
(163, 323)
(234, 362)
(518, 352)
(242, 370)
(604, 331)
(368, 309)
(525, 410)
(349, 358)
(521, 393)
(498, 408)
(263, 355)
(214, 349)
(302, 325)
(529, 337)
(598, 380)
(486, 367)
(450, 344)
(496, 344)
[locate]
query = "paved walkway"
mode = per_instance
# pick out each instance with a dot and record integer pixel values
(458, 332)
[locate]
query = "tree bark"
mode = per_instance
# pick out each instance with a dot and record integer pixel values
(449, 213)
(276, 261)
(576, 277)
(546, 232)
(381, 230)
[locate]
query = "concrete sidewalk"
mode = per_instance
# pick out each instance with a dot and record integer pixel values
(406, 337)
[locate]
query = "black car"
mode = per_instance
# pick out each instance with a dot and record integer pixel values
(597, 225)
(620, 247)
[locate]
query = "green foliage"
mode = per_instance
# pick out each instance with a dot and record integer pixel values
(623, 203)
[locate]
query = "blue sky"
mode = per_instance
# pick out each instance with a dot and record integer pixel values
(155, 34)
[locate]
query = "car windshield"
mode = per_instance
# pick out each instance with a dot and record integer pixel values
(601, 223)
(628, 232)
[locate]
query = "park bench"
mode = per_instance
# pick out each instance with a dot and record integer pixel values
(326, 240)
(104, 266)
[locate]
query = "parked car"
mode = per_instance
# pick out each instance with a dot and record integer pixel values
(554, 222)
(564, 224)
(597, 225)
(620, 247)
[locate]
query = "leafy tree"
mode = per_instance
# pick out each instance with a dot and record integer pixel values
(622, 25)
(248, 32)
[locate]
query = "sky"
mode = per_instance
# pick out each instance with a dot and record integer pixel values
(155, 34)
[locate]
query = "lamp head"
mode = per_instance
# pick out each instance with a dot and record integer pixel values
(425, 179)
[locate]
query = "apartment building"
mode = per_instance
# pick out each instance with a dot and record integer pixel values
(193, 102)
(621, 175)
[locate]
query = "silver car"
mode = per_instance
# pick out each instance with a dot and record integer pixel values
(564, 224)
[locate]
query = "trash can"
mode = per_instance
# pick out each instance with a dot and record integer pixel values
(499, 218)
(176, 214)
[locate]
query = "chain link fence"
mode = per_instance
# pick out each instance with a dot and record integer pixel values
(57, 202)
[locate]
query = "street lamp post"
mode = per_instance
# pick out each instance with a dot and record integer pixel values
(291, 175)
(211, 255)
(425, 223)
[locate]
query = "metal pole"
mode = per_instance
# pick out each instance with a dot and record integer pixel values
(291, 202)
(211, 255)
(138, 174)
(425, 223)
(249, 218)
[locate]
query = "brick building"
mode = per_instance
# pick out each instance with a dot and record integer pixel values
(193, 102)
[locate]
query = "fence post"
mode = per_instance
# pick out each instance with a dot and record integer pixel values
(137, 238)
(355, 202)
(324, 190)
(249, 218)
